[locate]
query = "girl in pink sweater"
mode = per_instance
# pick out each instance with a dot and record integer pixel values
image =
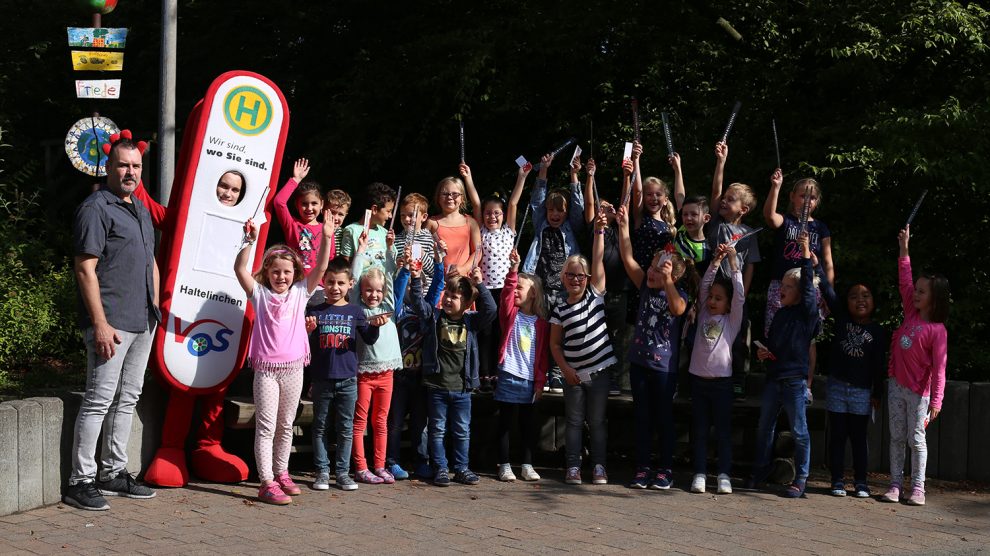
(303, 232)
(917, 367)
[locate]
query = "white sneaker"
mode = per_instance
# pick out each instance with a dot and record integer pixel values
(724, 484)
(505, 473)
(528, 473)
(698, 483)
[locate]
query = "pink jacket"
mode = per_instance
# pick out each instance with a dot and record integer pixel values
(304, 238)
(918, 349)
(507, 311)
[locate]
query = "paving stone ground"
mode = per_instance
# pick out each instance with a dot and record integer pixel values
(505, 518)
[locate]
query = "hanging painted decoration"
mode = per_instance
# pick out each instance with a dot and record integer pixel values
(90, 60)
(96, 6)
(99, 37)
(98, 88)
(83, 144)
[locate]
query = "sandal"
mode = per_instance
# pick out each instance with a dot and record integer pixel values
(796, 489)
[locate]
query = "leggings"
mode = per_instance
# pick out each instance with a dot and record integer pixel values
(853, 427)
(276, 400)
(374, 389)
(527, 430)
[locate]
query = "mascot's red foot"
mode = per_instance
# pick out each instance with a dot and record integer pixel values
(168, 469)
(214, 464)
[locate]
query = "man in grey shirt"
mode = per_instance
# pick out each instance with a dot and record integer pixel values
(118, 289)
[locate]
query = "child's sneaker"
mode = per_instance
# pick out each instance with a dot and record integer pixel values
(917, 497)
(893, 494)
(862, 490)
(598, 476)
(85, 496)
(556, 384)
(698, 484)
(505, 473)
(663, 480)
(466, 477)
(796, 489)
(528, 473)
(385, 476)
(322, 481)
(285, 482)
(441, 478)
(272, 494)
(641, 479)
(366, 476)
(573, 476)
(838, 488)
(398, 472)
(724, 484)
(345, 482)
(123, 484)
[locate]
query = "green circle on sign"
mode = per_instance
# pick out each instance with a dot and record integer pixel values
(247, 110)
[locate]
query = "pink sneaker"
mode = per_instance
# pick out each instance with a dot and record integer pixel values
(272, 494)
(893, 494)
(917, 497)
(288, 487)
(385, 476)
(365, 476)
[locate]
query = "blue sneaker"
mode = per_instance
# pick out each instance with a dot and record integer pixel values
(663, 480)
(424, 471)
(641, 479)
(398, 472)
(796, 490)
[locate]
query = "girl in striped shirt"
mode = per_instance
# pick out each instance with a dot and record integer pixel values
(580, 344)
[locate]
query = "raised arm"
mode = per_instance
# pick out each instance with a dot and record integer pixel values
(637, 186)
(633, 270)
(472, 191)
(721, 155)
(241, 269)
(773, 218)
(590, 206)
(598, 253)
(905, 279)
(299, 172)
(537, 201)
(512, 207)
(323, 257)
(679, 191)
(575, 210)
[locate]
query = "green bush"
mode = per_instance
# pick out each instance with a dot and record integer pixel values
(37, 293)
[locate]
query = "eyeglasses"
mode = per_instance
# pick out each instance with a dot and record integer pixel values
(450, 194)
(495, 213)
(575, 277)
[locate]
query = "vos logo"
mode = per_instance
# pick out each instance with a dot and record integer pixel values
(200, 343)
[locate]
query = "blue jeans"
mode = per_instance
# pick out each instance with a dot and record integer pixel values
(408, 394)
(711, 403)
(342, 394)
(653, 407)
(443, 406)
(586, 401)
(789, 394)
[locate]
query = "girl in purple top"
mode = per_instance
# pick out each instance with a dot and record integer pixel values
(917, 365)
(278, 351)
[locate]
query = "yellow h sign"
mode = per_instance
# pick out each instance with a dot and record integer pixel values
(247, 110)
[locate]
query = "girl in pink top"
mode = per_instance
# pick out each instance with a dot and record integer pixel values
(917, 366)
(278, 351)
(302, 233)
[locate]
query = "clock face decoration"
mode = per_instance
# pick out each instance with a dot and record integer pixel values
(84, 141)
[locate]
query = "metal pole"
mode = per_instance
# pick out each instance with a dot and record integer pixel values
(166, 102)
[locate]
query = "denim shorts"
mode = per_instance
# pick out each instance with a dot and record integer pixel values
(842, 397)
(512, 389)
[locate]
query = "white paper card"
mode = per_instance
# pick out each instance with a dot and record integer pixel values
(577, 153)
(627, 152)
(521, 161)
(367, 219)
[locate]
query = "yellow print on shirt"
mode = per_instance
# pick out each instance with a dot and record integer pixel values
(525, 338)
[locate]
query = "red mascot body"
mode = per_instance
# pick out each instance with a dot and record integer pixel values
(231, 150)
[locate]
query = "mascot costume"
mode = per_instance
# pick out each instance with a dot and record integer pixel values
(239, 128)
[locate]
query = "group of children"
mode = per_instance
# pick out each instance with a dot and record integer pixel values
(442, 309)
